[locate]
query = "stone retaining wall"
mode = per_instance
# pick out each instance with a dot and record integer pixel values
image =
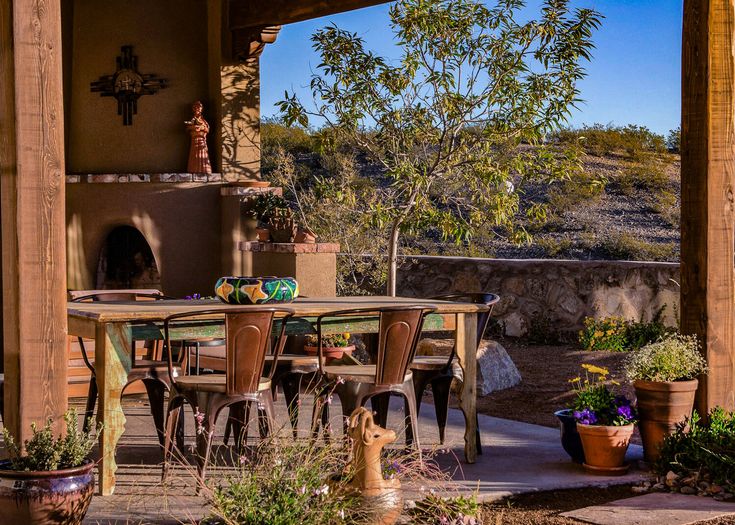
(550, 293)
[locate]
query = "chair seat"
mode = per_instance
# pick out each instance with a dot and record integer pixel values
(429, 362)
(211, 355)
(212, 383)
(357, 373)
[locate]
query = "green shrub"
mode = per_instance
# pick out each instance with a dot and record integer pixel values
(673, 140)
(675, 357)
(601, 140)
(615, 334)
(608, 334)
(460, 510)
(43, 451)
(705, 450)
(649, 177)
(579, 187)
(641, 333)
(627, 247)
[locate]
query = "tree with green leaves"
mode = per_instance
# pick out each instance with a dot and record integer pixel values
(448, 123)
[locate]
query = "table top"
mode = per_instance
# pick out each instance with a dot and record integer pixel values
(108, 312)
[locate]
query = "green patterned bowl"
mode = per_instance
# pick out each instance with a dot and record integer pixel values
(256, 290)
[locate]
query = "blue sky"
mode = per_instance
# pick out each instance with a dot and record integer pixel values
(634, 77)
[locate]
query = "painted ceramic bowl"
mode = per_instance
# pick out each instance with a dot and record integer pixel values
(256, 290)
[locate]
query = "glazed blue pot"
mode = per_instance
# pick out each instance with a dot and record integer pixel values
(257, 290)
(45, 497)
(570, 440)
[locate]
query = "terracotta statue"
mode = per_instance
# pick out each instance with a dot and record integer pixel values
(198, 129)
(382, 497)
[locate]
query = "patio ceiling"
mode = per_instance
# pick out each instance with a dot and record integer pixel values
(255, 13)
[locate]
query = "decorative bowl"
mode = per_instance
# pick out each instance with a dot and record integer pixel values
(256, 290)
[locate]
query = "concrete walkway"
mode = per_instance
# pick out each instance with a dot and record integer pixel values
(518, 458)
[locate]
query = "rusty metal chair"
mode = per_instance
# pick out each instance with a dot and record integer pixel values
(247, 340)
(398, 333)
(438, 371)
(152, 371)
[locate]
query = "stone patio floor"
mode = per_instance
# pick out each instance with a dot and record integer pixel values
(518, 458)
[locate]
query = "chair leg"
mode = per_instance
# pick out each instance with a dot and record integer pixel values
(421, 378)
(267, 414)
(236, 423)
(320, 413)
(440, 388)
(412, 429)
(381, 404)
(291, 385)
(156, 398)
(175, 407)
(478, 440)
(204, 445)
(91, 401)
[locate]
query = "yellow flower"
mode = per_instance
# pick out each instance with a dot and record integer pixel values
(595, 369)
(576, 379)
(346, 335)
(598, 333)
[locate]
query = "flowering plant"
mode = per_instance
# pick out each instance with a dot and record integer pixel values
(330, 341)
(596, 404)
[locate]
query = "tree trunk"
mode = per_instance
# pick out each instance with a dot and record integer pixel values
(393, 258)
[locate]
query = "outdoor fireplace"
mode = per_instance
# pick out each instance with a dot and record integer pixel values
(126, 261)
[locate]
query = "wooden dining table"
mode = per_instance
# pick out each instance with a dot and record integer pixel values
(115, 325)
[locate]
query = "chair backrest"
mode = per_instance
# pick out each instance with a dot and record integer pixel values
(483, 318)
(398, 333)
(247, 340)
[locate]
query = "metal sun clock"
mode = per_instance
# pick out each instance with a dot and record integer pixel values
(127, 84)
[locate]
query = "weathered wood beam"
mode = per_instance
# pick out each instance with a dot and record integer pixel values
(708, 180)
(251, 13)
(32, 206)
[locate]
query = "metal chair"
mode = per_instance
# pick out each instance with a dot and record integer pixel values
(152, 371)
(439, 371)
(247, 339)
(398, 333)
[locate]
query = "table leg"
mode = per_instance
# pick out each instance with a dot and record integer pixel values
(112, 363)
(466, 344)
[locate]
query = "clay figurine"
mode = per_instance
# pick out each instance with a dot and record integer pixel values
(198, 153)
(381, 497)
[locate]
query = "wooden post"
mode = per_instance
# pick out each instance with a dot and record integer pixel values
(32, 206)
(708, 177)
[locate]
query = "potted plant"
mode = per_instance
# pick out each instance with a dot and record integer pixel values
(664, 375)
(605, 422)
(334, 346)
(51, 479)
(282, 225)
(263, 207)
(570, 440)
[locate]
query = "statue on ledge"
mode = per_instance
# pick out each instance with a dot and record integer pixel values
(198, 153)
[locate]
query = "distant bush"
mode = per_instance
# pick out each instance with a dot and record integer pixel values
(704, 451)
(602, 140)
(673, 140)
(615, 334)
(627, 247)
(578, 188)
(294, 140)
(645, 176)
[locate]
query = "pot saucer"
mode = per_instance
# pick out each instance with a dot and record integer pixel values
(607, 471)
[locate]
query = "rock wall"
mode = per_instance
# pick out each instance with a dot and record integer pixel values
(555, 294)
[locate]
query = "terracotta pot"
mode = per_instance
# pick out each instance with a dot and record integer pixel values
(45, 497)
(605, 447)
(264, 234)
(331, 352)
(570, 440)
(660, 407)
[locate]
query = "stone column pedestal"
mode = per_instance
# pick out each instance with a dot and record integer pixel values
(314, 266)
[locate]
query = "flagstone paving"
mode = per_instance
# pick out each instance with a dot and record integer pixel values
(655, 509)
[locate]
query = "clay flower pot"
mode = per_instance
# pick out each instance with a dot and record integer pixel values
(660, 407)
(605, 448)
(331, 352)
(264, 234)
(45, 497)
(570, 440)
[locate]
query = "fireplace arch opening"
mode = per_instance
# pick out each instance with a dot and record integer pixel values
(127, 261)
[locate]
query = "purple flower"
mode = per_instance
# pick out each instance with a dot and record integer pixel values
(585, 417)
(625, 411)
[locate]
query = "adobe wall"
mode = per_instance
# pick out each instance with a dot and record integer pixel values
(556, 293)
(170, 39)
(180, 221)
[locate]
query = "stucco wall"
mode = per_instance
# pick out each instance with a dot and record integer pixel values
(561, 293)
(170, 39)
(181, 222)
